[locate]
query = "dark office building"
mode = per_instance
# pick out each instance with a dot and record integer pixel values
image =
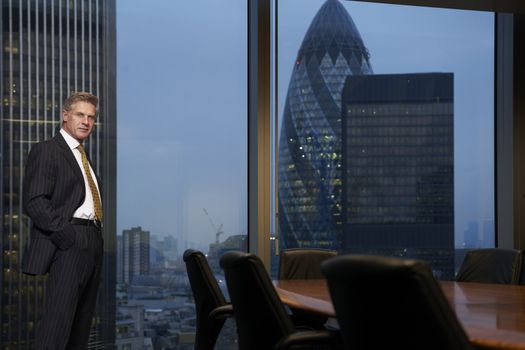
(135, 253)
(49, 49)
(310, 185)
(398, 161)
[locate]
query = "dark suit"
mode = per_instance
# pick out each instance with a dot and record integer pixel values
(72, 255)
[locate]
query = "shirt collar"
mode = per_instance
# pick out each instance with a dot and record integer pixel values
(70, 140)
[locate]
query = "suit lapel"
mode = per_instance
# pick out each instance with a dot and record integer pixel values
(68, 155)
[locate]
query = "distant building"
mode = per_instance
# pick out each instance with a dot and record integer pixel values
(232, 243)
(120, 261)
(135, 253)
(170, 248)
(129, 327)
(156, 257)
(398, 166)
(488, 237)
(471, 235)
(163, 253)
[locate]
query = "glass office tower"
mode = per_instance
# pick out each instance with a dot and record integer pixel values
(51, 48)
(398, 166)
(309, 181)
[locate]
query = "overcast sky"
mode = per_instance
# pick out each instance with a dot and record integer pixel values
(182, 102)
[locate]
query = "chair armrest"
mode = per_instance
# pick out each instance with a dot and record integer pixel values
(220, 312)
(317, 338)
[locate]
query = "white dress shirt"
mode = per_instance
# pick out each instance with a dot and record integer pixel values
(87, 209)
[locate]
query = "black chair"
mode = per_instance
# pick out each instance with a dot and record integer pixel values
(303, 263)
(210, 305)
(262, 321)
(522, 270)
(391, 303)
(491, 265)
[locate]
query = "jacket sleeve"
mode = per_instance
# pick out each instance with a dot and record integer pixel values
(39, 184)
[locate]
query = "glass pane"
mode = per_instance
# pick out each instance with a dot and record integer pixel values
(182, 158)
(386, 136)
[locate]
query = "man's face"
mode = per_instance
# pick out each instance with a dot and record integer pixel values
(79, 120)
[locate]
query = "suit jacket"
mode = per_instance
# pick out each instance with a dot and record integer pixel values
(53, 189)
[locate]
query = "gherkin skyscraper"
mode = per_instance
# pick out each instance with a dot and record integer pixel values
(309, 179)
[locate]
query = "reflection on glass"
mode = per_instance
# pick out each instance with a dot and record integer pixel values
(396, 160)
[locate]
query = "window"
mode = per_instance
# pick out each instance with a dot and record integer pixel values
(182, 152)
(404, 98)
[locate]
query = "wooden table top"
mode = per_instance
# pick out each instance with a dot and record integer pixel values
(493, 315)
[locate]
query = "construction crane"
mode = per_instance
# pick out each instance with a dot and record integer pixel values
(218, 230)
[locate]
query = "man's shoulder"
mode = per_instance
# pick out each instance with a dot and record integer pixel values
(51, 142)
(45, 146)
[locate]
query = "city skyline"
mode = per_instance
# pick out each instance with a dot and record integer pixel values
(215, 176)
(411, 39)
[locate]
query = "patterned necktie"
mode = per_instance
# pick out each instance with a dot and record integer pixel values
(92, 186)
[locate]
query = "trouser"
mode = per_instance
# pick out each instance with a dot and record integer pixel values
(71, 293)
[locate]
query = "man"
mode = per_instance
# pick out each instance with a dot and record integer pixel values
(62, 198)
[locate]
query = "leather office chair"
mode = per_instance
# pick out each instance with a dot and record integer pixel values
(304, 263)
(491, 265)
(522, 270)
(300, 263)
(389, 303)
(262, 321)
(210, 305)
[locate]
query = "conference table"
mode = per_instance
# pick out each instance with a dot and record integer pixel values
(493, 315)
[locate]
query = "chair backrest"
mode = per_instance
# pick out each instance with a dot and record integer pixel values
(260, 316)
(491, 265)
(299, 263)
(207, 295)
(522, 272)
(386, 303)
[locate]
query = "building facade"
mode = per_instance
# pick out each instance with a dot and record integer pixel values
(135, 253)
(119, 262)
(398, 166)
(309, 170)
(50, 49)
